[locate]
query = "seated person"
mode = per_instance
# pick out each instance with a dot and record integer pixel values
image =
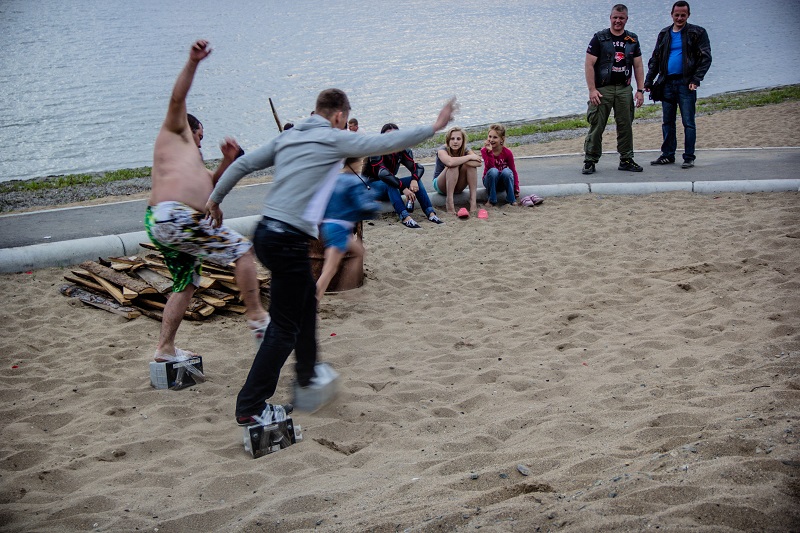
(351, 202)
(456, 169)
(499, 172)
(382, 173)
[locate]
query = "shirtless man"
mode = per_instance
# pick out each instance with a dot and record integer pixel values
(175, 221)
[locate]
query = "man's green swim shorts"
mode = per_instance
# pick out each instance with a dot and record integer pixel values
(186, 238)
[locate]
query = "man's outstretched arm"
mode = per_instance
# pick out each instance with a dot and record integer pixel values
(176, 121)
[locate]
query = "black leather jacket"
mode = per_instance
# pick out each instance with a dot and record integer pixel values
(385, 167)
(696, 55)
(602, 67)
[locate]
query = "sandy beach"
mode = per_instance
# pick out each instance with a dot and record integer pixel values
(596, 363)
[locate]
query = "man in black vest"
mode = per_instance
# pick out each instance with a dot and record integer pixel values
(612, 57)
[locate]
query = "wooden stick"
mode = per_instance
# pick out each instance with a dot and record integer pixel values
(155, 315)
(275, 114)
(85, 282)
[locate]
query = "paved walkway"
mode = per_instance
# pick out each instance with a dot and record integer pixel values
(63, 236)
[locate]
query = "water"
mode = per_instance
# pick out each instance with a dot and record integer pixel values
(85, 83)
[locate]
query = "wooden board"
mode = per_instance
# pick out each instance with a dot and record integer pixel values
(118, 278)
(211, 300)
(109, 287)
(160, 283)
(99, 301)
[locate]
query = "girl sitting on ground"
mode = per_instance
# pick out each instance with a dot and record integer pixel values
(499, 172)
(351, 201)
(456, 169)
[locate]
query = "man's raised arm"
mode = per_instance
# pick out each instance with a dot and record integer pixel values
(176, 121)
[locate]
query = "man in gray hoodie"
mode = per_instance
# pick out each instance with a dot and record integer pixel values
(307, 160)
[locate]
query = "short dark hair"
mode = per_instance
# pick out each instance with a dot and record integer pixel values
(288, 126)
(353, 121)
(681, 3)
(194, 124)
(331, 101)
(389, 126)
(620, 7)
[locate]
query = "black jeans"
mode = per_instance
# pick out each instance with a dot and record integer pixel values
(293, 313)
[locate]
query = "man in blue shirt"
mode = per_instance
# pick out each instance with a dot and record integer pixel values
(681, 58)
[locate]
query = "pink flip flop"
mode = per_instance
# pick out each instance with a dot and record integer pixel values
(463, 213)
(531, 200)
(483, 213)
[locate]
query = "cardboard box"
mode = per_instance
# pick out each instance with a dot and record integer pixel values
(260, 440)
(176, 375)
(321, 391)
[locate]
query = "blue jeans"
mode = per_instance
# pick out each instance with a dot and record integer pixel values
(385, 192)
(677, 95)
(293, 313)
(496, 181)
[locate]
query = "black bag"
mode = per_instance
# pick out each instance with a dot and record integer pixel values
(657, 90)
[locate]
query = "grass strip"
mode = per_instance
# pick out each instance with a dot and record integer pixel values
(709, 104)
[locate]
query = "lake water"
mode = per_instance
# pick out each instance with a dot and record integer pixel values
(85, 83)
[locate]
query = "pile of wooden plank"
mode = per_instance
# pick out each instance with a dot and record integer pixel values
(140, 285)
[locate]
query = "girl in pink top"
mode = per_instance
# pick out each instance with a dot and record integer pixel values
(499, 172)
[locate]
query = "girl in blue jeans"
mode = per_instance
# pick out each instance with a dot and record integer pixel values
(499, 172)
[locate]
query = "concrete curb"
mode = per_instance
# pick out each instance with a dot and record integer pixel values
(779, 185)
(641, 188)
(66, 253)
(72, 252)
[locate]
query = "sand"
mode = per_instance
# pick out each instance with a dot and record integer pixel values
(638, 357)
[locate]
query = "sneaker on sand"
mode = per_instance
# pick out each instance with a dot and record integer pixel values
(588, 168)
(663, 160)
(630, 165)
(270, 414)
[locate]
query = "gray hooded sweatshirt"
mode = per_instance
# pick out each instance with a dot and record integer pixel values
(307, 160)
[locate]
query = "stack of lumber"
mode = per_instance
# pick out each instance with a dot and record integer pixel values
(141, 285)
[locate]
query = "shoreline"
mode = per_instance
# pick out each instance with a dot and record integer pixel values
(564, 141)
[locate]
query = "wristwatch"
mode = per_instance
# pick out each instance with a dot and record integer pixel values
(640, 91)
